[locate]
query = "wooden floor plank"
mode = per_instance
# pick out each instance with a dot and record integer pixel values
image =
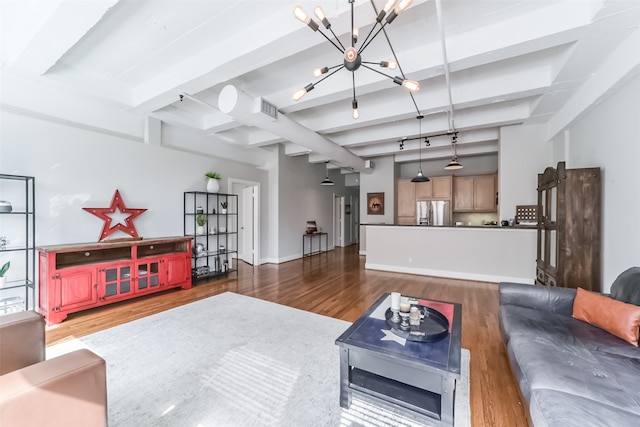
(336, 284)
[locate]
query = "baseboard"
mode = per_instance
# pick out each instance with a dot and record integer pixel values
(449, 274)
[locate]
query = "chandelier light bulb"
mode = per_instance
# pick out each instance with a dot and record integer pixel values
(356, 33)
(392, 65)
(388, 5)
(350, 54)
(402, 5)
(319, 13)
(298, 94)
(317, 72)
(321, 16)
(411, 85)
(354, 106)
(301, 15)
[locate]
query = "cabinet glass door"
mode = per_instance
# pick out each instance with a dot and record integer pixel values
(148, 275)
(117, 281)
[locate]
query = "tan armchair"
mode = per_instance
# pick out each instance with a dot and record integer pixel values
(69, 390)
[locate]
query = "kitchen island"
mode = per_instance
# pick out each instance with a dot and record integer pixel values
(490, 254)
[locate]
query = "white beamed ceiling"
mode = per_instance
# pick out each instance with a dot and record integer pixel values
(511, 62)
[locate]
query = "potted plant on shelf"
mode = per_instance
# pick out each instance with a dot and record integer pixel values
(223, 207)
(3, 271)
(213, 182)
(201, 220)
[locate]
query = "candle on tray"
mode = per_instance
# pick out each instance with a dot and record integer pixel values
(395, 301)
(404, 305)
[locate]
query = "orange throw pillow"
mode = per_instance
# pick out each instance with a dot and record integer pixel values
(616, 317)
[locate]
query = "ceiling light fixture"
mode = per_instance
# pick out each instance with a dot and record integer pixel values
(352, 57)
(420, 177)
(454, 164)
(326, 180)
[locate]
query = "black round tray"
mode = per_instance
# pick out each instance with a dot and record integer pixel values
(434, 326)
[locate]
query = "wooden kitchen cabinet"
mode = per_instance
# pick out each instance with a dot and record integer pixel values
(82, 276)
(408, 193)
(438, 188)
(405, 202)
(475, 193)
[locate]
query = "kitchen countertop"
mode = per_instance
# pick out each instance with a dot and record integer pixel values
(517, 227)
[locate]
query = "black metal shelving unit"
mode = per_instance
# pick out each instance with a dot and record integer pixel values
(215, 247)
(18, 230)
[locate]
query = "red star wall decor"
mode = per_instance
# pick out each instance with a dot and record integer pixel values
(116, 203)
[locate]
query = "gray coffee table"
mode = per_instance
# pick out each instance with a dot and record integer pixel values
(418, 376)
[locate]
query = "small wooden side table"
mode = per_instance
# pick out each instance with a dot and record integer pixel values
(311, 252)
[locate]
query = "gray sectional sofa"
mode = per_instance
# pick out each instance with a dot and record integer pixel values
(570, 373)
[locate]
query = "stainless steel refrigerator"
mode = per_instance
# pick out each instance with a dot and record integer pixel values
(434, 212)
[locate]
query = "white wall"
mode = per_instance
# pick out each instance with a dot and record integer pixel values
(524, 154)
(382, 180)
(76, 168)
(302, 199)
(608, 136)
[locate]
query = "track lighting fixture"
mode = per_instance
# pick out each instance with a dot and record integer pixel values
(352, 59)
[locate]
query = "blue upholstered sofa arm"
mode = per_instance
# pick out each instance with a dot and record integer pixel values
(554, 300)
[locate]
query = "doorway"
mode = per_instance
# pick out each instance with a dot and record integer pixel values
(338, 221)
(248, 193)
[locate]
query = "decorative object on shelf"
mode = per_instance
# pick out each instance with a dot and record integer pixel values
(223, 207)
(212, 230)
(116, 203)
(201, 220)
(326, 180)
(352, 57)
(3, 242)
(311, 227)
(198, 249)
(199, 210)
(213, 182)
(3, 271)
(375, 203)
(5, 206)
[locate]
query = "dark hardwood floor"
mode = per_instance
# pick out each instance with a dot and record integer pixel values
(337, 285)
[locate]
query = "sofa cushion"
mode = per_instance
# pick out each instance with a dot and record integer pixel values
(555, 408)
(603, 378)
(562, 330)
(626, 287)
(619, 318)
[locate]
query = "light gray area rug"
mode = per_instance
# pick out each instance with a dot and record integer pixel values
(232, 360)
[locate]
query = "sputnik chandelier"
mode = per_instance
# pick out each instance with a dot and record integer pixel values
(352, 56)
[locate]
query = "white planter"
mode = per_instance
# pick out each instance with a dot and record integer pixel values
(3, 281)
(213, 185)
(223, 211)
(200, 229)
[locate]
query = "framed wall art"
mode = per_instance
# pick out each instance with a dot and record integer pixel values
(375, 203)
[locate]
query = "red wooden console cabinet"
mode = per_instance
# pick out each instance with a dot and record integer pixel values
(82, 276)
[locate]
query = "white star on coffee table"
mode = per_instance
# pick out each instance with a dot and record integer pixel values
(390, 336)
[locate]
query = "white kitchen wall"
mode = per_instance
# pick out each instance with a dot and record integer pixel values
(608, 136)
(473, 165)
(76, 168)
(524, 153)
